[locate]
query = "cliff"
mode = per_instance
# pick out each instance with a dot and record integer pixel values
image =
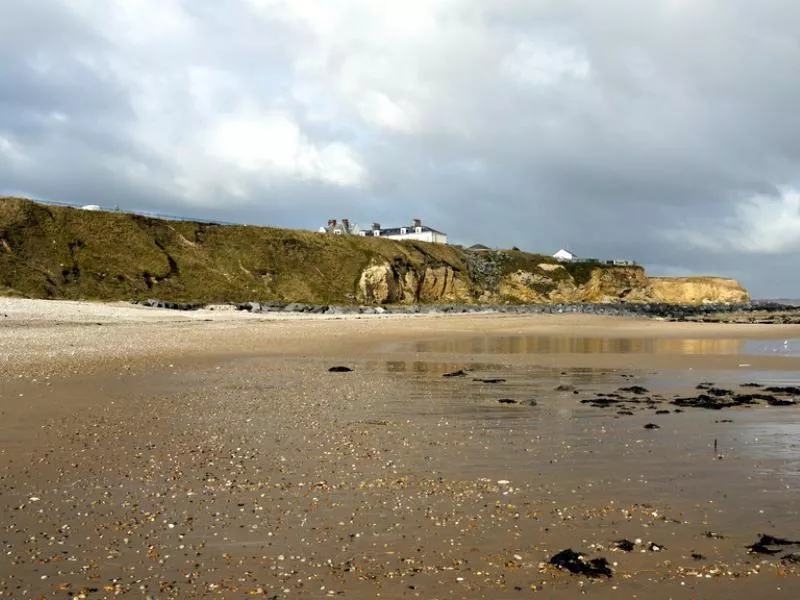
(697, 290)
(60, 252)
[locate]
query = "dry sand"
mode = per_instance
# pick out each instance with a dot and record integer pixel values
(211, 454)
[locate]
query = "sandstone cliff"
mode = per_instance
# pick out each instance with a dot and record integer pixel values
(697, 290)
(59, 252)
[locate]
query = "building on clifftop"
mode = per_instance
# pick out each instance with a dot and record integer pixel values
(415, 231)
(565, 255)
(343, 227)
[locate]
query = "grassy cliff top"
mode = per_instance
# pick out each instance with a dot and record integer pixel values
(61, 252)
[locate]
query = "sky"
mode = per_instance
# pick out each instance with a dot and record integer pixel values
(665, 131)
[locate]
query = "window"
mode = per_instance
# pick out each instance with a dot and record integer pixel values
(418, 229)
(403, 231)
(376, 232)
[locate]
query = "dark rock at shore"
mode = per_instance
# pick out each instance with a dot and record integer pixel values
(634, 389)
(624, 545)
(153, 303)
(507, 401)
(757, 312)
(459, 373)
(767, 544)
(652, 426)
(575, 563)
(340, 369)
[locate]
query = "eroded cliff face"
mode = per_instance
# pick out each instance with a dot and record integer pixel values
(697, 290)
(545, 283)
(384, 283)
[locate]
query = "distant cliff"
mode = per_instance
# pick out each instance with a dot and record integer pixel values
(59, 252)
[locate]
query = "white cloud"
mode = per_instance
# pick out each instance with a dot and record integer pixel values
(760, 225)
(274, 145)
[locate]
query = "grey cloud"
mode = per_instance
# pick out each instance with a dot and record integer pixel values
(685, 113)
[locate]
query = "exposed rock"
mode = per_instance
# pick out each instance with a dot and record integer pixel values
(440, 284)
(697, 290)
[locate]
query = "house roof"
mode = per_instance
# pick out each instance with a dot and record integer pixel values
(409, 229)
(565, 251)
(478, 247)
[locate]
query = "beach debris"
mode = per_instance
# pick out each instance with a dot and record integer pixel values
(713, 535)
(576, 563)
(624, 545)
(635, 389)
(768, 544)
(340, 369)
(653, 547)
(564, 387)
(789, 389)
(652, 426)
(698, 556)
(459, 373)
(792, 557)
(530, 402)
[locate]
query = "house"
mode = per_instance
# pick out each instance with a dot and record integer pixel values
(565, 255)
(345, 227)
(415, 231)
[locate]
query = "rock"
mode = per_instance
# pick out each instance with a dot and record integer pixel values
(624, 545)
(652, 426)
(768, 544)
(459, 373)
(530, 402)
(340, 369)
(634, 389)
(507, 401)
(575, 563)
(490, 380)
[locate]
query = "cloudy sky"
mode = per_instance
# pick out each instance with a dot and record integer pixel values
(667, 131)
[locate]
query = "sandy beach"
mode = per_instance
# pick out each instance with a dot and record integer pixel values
(151, 453)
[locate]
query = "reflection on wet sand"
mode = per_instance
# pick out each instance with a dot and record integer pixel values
(581, 345)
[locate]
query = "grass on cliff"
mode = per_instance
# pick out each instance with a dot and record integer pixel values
(61, 252)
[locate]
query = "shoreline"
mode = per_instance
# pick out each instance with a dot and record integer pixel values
(50, 336)
(195, 458)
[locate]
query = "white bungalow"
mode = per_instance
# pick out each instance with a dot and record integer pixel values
(415, 231)
(565, 255)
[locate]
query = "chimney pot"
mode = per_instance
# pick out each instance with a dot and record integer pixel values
(417, 222)
(376, 226)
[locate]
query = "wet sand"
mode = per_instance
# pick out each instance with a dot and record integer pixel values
(154, 454)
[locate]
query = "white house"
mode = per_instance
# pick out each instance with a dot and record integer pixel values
(343, 227)
(565, 255)
(415, 231)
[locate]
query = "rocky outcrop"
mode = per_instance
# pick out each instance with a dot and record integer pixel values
(384, 283)
(545, 284)
(697, 290)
